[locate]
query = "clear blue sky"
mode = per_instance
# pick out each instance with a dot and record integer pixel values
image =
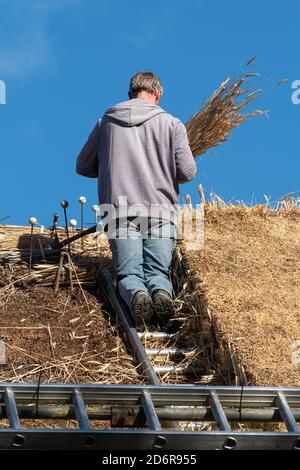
(65, 61)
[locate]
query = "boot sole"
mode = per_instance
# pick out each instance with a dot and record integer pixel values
(143, 314)
(164, 310)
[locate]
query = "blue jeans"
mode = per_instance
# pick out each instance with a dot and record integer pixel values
(142, 255)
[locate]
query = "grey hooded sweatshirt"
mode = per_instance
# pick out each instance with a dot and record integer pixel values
(140, 154)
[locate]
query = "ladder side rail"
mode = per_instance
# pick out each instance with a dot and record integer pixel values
(131, 333)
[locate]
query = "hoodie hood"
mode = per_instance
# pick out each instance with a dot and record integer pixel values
(133, 112)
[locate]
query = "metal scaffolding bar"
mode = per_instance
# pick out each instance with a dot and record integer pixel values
(129, 415)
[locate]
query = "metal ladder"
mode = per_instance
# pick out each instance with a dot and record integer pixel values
(139, 417)
(150, 372)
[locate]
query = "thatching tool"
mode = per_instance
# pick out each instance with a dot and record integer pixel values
(96, 210)
(82, 201)
(32, 221)
(73, 223)
(42, 251)
(64, 205)
(59, 268)
(85, 232)
(54, 227)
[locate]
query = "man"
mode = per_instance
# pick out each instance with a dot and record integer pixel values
(140, 154)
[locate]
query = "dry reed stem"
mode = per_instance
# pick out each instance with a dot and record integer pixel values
(222, 112)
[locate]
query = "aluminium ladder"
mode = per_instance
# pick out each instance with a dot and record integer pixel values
(139, 416)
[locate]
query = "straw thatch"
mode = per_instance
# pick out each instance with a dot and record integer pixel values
(62, 337)
(222, 112)
(49, 279)
(237, 299)
(246, 282)
(57, 335)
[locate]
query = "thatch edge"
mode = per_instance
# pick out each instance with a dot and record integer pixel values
(223, 353)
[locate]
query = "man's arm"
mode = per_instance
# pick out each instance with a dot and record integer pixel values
(186, 167)
(87, 161)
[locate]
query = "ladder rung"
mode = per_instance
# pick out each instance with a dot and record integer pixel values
(177, 370)
(285, 411)
(218, 412)
(11, 408)
(155, 335)
(2, 353)
(80, 410)
(168, 351)
(149, 410)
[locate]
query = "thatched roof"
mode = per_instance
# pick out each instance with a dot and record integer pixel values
(249, 274)
(238, 298)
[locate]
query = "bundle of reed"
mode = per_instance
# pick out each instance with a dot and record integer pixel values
(17, 255)
(45, 275)
(84, 275)
(221, 113)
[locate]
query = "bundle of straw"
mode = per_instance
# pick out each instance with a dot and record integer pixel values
(221, 113)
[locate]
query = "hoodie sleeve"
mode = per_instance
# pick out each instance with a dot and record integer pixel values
(87, 161)
(186, 167)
